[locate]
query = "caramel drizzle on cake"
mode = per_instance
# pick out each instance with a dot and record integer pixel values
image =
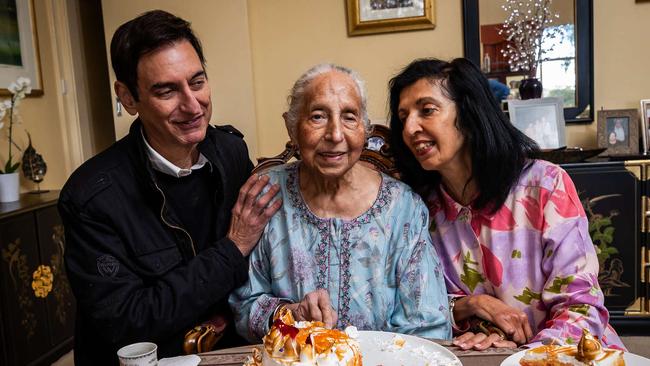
(589, 351)
(287, 342)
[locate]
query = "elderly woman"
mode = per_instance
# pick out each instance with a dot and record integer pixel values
(511, 232)
(349, 246)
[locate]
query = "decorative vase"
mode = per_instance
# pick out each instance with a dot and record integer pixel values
(34, 167)
(9, 187)
(530, 88)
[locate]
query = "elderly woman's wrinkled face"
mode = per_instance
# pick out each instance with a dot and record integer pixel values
(330, 132)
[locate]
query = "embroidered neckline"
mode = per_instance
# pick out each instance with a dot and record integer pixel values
(298, 201)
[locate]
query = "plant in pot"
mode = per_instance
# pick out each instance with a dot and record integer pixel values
(525, 29)
(9, 183)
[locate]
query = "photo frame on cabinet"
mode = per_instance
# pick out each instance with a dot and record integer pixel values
(541, 119)
(618, 131)
(645, 125)
(385, 16)
(19, 53)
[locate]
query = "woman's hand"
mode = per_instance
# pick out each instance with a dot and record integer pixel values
(315, 306)
(481, 341)
(513, 322)
(251, 214)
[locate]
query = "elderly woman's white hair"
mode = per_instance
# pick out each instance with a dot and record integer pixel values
(296, 98)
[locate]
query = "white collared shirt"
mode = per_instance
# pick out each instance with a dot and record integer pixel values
(167, 167)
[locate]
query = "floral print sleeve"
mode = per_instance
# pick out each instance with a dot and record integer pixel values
(534, 254)
(571, 292)
(254, 303)
(422, 300)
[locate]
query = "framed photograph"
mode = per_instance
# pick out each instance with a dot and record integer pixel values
(645, 125)
(618, 131)
(541, 119)
(19, 45)
(383, 16)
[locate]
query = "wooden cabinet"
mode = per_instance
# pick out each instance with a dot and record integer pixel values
(615, 198)
(37, 307)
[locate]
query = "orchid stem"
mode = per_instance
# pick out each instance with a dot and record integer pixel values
(11, 125)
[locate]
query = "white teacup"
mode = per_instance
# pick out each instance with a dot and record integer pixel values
(138, 354)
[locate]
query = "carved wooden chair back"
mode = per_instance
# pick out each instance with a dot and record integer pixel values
(376, 154)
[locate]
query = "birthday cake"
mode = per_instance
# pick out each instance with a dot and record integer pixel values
(588, 352)
(293, 343)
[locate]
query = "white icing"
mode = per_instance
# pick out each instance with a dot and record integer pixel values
(327, 359)
(393, 345)
(301, 324)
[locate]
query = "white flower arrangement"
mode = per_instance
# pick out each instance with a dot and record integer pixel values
(525, 30)
(9, 110)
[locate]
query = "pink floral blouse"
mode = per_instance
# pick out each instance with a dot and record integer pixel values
(534, 254)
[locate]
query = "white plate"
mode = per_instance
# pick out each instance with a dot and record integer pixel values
(376, 351)
(630, 359)
(189, 360)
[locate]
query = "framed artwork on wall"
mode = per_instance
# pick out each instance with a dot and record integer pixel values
(384, 16)
(541, 119)
(645, 124)
(19, 45)
(618, 131)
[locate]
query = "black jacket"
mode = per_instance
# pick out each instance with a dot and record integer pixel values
(135, 272)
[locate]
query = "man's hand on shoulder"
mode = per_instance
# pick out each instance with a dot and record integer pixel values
(251, 214)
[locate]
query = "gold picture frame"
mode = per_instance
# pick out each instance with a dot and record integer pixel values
(618, 131)
(385, 16)
(20, 57)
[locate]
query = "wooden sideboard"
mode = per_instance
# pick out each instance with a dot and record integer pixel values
(37, 308)
(615, 196)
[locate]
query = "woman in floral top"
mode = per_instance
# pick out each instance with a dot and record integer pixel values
(511, 231)
(349, 246)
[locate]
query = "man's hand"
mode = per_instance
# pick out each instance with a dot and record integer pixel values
(250, 214)
(315, 306)
(513, 322)
(480, 341)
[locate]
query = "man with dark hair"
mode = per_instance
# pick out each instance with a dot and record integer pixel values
(158, 226)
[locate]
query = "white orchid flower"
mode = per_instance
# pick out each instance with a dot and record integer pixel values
(13, 87)
(26, 85)
(20, 87)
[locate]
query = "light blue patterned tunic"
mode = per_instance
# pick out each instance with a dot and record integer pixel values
(380, 269)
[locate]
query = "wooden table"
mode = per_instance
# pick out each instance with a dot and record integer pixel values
(237, 356)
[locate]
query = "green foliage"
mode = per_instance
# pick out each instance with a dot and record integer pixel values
(567, 94)
(9, 168)
(601, 231)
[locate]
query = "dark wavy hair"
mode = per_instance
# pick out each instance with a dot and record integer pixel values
(499, 151)
(147, 33)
